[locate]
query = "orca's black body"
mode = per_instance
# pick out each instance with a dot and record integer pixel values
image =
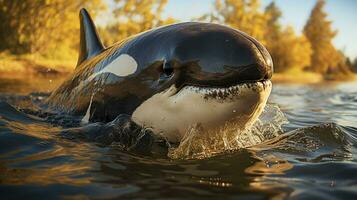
(185, 54)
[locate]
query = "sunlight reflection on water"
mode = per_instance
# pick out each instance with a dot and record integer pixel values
(314, 154)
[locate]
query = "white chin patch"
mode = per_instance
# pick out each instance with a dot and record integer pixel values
(170, 115)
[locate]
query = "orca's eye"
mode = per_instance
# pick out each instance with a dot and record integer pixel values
(167, 69)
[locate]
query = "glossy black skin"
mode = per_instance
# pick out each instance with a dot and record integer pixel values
(198, 54)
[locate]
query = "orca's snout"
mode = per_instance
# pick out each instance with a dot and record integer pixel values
(220, 56)
(263, 69)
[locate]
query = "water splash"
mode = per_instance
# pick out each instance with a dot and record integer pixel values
(199, 143)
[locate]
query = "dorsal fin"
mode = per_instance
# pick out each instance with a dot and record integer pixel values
(90, 44)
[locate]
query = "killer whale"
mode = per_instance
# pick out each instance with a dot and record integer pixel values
(168, 78)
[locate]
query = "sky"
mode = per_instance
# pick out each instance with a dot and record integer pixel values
(343, 14)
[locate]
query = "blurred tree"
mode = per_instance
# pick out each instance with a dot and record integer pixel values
(273, 36)
(46, 27)
(132, 17)
(287, 50)
(344, 65)
(319, 32)
(273, 27)
(243, 15)
(351, 64)
(291, 51)
(354, 65)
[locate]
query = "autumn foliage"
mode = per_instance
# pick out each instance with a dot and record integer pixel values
(50, 28)
(46, 27)
(134, 16)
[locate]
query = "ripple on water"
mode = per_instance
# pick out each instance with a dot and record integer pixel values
(306, 149)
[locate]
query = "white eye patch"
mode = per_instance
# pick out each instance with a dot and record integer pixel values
(124, 65)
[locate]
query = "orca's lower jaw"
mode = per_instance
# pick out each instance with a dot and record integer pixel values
(172, 113)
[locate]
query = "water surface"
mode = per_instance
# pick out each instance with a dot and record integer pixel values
(308, 149)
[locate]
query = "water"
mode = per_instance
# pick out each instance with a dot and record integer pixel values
(304, 145)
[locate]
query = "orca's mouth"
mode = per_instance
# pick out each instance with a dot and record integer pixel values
(172, 112)
(226, 93)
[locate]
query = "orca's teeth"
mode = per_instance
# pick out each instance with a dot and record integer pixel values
(230, 92)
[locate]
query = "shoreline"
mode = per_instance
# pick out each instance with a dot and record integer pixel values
(27, 65)
(309, 78)
(298, 78)
(278, 78)
(13, 67)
